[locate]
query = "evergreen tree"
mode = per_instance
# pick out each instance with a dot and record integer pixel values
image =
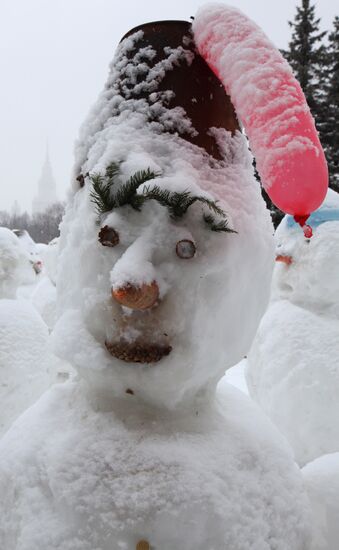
(331, 124)
(307, 57)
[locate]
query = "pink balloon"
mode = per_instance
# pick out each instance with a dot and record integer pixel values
(271, 106)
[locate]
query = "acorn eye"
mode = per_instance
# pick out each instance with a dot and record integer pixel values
(108, 236)
(185, 249)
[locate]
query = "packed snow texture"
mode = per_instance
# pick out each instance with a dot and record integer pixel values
(27, 367)
(270, 103)
(236, 377)
(293, 373)
(322, 481)
(130, 451)
(43, 299)
(72, 477)
(15, 265)
(293, 368)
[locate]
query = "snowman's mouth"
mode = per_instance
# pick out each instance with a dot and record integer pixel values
(138, 352)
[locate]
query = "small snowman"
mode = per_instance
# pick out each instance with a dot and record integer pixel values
(27, 366)
(44, 295)
(293, 370)
(15, 265)
(166, 254)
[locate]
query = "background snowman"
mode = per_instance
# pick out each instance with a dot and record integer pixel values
(15, 265)
(166, 255)
(293, 370)
(27, 366)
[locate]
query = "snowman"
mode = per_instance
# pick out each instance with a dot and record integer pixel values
(15, 265)
(166, 254)
(27, 366)
(292, 369)
(44, 295)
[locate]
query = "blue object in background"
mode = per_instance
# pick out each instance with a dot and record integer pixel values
(317, 218)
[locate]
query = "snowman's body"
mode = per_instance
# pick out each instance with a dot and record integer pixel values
(199, 478)
(293, 368)
(145, 451)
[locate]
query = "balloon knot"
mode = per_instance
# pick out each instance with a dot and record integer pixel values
(301, 220)
(307, 231)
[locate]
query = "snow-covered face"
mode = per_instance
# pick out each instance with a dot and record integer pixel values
(306, 269)
(196, 315)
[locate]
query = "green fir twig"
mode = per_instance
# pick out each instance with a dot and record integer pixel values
(177, 203)
(101, 194)
(218, 226)
(127, 191)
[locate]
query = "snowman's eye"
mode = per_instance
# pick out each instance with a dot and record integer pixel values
(185, 249)
(108, 236)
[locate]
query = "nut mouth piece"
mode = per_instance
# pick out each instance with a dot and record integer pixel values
(138, 352)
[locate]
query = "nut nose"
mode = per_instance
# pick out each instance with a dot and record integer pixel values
(137, 297)
(284, 258)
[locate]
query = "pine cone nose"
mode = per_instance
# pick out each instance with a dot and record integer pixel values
(137, 297)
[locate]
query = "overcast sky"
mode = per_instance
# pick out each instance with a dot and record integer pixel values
(54, 56)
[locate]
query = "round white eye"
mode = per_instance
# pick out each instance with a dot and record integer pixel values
(108, 236)
(185, 249)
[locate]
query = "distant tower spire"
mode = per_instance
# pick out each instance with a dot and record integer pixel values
(46, 195)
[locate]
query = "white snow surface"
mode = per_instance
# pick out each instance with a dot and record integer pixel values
(236, 377)
(43, 299)
(27, 367)
(293, 373)
(322, 482)
(260, 82)
(216, 477)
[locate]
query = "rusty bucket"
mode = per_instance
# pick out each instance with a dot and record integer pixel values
(189, 83)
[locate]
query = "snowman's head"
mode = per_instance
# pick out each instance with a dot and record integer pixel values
(306, 271)
(156, 298)
(163, 304)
